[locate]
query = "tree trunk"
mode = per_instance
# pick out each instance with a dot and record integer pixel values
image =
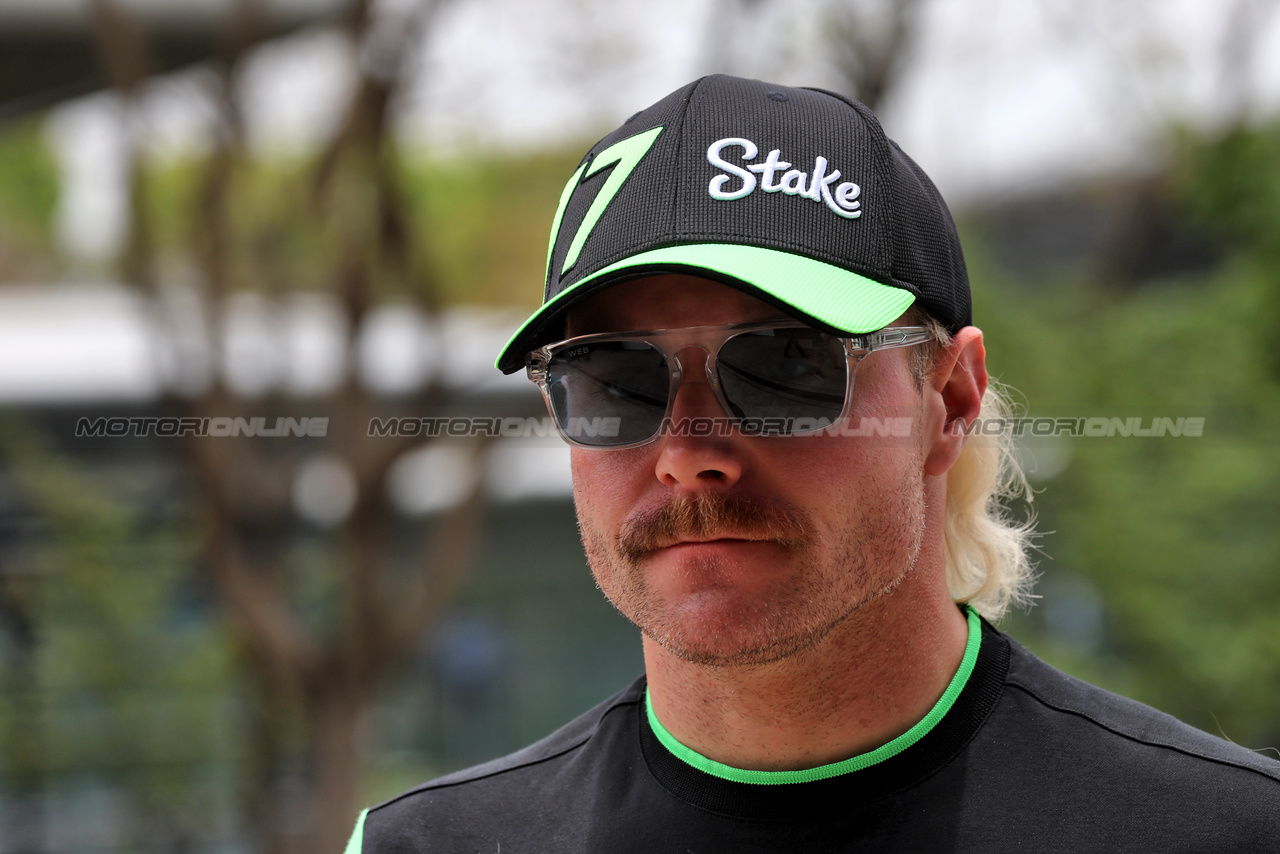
(340, 709)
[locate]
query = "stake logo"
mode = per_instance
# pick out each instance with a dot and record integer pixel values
(816, 185)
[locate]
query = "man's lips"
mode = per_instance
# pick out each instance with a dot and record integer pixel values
(706, 541)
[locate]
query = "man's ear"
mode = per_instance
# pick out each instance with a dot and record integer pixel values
(958, 381)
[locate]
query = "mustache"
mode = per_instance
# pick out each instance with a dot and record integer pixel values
(711, 516)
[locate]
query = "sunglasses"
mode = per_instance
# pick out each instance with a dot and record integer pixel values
(771, 378)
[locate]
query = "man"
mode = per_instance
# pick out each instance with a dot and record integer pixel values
(806, 556)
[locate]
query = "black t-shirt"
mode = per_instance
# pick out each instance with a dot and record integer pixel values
(1025, 759)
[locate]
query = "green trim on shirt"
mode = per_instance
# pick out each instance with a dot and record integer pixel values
(854, 763)
(356, 842)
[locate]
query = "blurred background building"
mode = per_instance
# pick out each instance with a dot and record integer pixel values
(337, 209)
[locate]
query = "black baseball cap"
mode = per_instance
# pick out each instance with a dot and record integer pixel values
(795, 196)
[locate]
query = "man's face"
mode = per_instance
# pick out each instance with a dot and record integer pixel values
(745, 550)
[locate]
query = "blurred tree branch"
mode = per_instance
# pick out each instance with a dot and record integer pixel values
(869, 43)
(372, 248)
(1246, 22)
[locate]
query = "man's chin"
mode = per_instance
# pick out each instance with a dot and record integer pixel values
(731, 656)
(726, 637)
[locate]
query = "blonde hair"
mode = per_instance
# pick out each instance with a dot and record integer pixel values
(986, 546)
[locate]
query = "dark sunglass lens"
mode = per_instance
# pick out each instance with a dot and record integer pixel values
(609, 392)
(786, 380)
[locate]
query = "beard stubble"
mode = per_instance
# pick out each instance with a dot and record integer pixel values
(814, 592)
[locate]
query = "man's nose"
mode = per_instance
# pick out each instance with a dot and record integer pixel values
(695, 398)
(699, 447)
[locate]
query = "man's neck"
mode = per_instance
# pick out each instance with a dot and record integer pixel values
(870, 680)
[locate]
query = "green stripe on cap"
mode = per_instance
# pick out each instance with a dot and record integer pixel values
(565, 195)
(627, 155)
(831, 295)
(855, 763)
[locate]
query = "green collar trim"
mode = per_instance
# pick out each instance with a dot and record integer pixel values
(834, 769)
(356, 844)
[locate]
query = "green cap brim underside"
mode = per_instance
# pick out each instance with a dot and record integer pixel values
(829, 294)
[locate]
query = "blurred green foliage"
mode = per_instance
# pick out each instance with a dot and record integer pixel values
(1177, 535)
(28, 198)
(494, 216)
(484, 221)
(28, 183)
(129, 676)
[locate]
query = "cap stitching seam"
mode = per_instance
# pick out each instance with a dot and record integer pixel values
(674, 188)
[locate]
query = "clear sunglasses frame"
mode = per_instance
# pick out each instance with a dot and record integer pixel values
(709, 339)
